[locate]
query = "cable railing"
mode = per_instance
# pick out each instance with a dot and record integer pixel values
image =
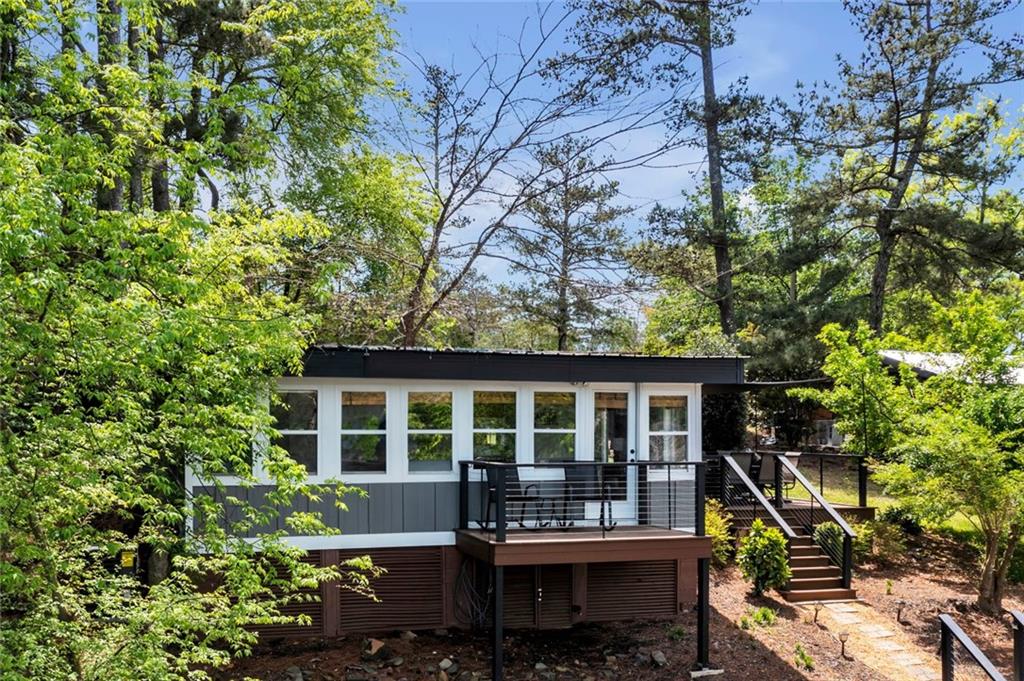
(817, 511)
(499, 498)
(951, 633)
(745, 500)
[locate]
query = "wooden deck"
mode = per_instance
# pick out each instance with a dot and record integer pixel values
(582, 545)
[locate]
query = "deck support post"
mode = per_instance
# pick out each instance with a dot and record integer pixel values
(703, 614)
(464, 496)
(497, 632)
(862, 482)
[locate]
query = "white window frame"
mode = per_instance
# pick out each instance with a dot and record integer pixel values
(290, 431)
(692, 392)
(531, 430)
(387, 432)
(517, 431)
(404, 445)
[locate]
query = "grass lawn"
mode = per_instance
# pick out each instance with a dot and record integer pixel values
(838, 482)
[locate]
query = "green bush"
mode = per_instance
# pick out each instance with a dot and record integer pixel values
(716, 526)
(878, 540)
(763, 558)
(1015, 574)
(829, 536)
(902, 518)
(764, 616)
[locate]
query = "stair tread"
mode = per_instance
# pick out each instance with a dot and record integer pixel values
(820, 595)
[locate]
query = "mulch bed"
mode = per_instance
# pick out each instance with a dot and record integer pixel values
(939, 575)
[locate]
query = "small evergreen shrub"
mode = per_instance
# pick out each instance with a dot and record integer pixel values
(802, 658)
(902, 518)
(829, 536)
(677, 632)
(745, 623)
(716, 526)
(763, 558)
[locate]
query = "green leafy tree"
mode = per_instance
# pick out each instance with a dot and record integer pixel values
(957, 438)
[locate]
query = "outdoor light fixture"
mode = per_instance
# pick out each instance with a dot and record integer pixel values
(818, 605)
(843, 636)
(899, 610)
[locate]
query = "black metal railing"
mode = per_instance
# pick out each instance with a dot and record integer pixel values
(813, 513)
(745, 500)
(951, 633)
(499, 497)
(1017, 618)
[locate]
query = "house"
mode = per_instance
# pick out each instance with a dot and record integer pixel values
(504, 488)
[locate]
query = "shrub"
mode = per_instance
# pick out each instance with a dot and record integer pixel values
(763, 558)
(880, 540)
(745, 623)
(716, 526)
(803, 658)
(677, 632)
(1015, 574)
(829, 536)
(899, 516)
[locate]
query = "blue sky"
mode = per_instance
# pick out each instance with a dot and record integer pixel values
(778, 44)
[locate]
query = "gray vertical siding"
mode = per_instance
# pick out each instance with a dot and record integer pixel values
(386, 508)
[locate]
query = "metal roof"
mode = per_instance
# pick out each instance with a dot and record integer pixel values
(511, 351)
(356, 361)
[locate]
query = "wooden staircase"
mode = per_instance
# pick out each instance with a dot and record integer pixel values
(814, 578)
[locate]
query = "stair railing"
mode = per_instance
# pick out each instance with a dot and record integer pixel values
(745, 501)
(951, 633)
(1018, 644)
(841, 557)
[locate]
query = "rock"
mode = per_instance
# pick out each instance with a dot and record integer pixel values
(358, 676)
(540, 667)
(548, 676)
(642, 659)
(659, 658)
(442, 676)
(408, 636)
(445, 664)
(611, 660)
(395, 661)
(440, 632)
(375, 649)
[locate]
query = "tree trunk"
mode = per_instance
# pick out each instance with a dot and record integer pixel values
(879, 279)
(719, 228)
(108, 41)
(990, 591)
(135, 190)
(159, 182)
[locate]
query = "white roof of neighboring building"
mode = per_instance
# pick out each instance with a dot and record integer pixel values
(926, 364)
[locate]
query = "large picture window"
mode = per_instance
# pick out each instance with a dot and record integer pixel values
(430, 431)
(364, 439)
(667, 427)
(295, 414)
(554, 426)
(494, 425)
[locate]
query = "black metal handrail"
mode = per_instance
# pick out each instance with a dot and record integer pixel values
(1017, 621)
(843, 558)
(755, 495)
(860, 460)
(555, 503)
(951, 632)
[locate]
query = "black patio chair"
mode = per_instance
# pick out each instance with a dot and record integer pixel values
(766, 476)
(515, 493)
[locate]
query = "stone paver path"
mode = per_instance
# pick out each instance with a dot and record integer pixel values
(877, 641)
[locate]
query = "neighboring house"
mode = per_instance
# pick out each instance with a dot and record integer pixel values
(578, 542)
(928, 364)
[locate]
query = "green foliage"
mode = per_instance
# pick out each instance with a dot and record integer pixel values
(763, 558)
(956, 440)
(745, 623)
(764, 616)
(802, 658)
(902, 518)
(716, 526)
(878, 540)
(677, 632)
(829, 536)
